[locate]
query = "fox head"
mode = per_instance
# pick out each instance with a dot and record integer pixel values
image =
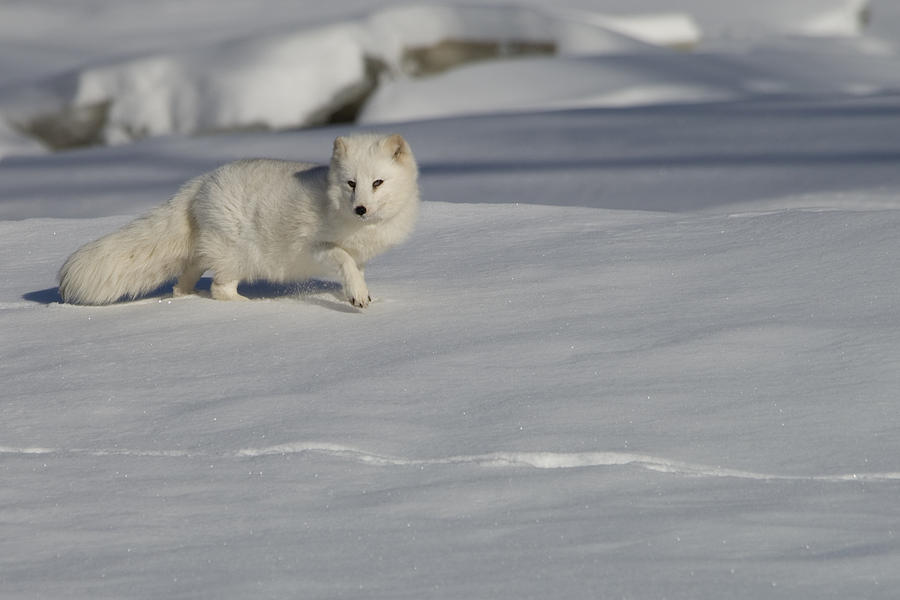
(372, 177)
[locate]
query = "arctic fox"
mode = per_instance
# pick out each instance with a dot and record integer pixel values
(260, 219)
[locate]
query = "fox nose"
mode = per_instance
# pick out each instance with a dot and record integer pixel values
(360, 210)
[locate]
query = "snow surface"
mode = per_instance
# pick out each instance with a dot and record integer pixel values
(643, 348)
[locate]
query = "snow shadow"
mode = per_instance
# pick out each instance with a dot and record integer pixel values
(314, 291)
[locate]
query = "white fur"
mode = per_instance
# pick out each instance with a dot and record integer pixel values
(260, 220)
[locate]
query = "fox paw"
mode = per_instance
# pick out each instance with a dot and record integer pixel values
(357, 293)
(362, 302)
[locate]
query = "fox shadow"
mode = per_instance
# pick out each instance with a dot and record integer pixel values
(47, 296)
(314, 291)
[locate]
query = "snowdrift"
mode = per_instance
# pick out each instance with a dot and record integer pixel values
(306, 77)
(316, 74)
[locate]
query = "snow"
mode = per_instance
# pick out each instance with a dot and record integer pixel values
(285, 79)
(640, 345)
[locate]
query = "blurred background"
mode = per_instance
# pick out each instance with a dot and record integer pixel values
(88, 72)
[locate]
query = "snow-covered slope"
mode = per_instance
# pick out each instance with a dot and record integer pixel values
(831, 151)
(541, 400)
(633, 349)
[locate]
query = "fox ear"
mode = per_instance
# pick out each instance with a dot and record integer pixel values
(340, 146)
(397, 146)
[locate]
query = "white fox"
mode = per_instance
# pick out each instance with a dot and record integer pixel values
(260, 219)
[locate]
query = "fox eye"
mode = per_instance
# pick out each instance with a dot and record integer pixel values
(352, 184)
(377, 183)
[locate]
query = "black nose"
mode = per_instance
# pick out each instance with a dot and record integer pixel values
(360, 210)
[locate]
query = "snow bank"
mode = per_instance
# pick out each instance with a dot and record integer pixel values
(298, 78)
(309, 75)
(844, 19)
(638, 79)
(722, 21)
(644, 75)
(276, 82)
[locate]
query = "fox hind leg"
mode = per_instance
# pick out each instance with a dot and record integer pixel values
(188, 280)
(225, 289)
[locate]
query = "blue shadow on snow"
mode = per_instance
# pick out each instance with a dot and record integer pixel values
(255, 291)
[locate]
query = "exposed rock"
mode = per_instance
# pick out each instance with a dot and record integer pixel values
(71, 127)
(421, 61)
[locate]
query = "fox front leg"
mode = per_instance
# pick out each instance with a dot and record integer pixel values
(337, 260)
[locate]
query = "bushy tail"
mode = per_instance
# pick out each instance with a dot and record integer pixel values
(136, 259)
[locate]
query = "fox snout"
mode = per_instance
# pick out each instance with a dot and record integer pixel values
(360, 210)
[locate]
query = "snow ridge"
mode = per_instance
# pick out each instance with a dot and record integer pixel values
(555, 460)
(537, 460)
